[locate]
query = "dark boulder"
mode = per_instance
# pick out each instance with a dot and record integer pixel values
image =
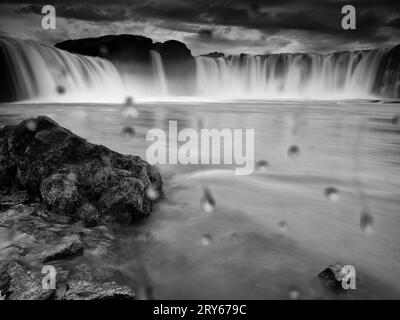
(70, 246)
(84, 290)
(121, 48)
(173, 51)
(332, 277)
(83, 181)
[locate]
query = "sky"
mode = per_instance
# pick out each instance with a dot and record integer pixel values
(229, 26)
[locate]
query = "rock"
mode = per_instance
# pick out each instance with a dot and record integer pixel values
(10, 200)
(17, 283)
(5, 280)
(118, 48)
(84, 290)
(70, 246)
(173, 50)
(14, 214)
(332, 277)
(88, 214)
(179, 67)
(60, 193)
(214, 55)
(73, 177)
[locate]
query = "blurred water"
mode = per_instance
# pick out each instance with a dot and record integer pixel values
(239, 249)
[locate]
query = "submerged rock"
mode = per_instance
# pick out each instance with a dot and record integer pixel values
(18, 283)
(83, 181)
(70, 246)
(84, 290)
(332, 277)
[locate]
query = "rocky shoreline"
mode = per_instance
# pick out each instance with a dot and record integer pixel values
(59, 197)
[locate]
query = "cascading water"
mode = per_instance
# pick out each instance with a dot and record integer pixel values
(34, 71)
(159, 79)
(38, 70)
(318, 76)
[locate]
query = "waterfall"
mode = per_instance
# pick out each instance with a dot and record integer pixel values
(37, 71)
(159, 79)
(317, 76)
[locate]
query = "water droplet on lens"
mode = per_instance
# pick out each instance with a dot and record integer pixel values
(366, 222)
(103, 50)
(294, 294)
(282, 226)
(129, 111)
(262, 165)
(293, 152)
(331, 193)
(60, 89)
(128, 132)
(153, 191)
(31, 125)
(129, 102)
(206, 239)
(71, 176)
(207, 201)
(396, 119)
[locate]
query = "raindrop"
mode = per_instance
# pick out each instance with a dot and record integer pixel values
(128, 132)
(293, 152)
(366, 222)
(282, 226)
(294, 294)
(206, 239)
(207, 201)
(153, 191)
(396, 119)
(103, 50)
(71, 176)
(60, 89)
(31, 125)
(129, 111)
(331, 193)
(129, 102)
(262, 165)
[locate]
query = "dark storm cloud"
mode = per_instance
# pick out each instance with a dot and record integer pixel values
(83, 12)
(377, 20)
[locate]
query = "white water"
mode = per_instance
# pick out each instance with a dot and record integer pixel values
(315, 76)
(38, 70)
(160, 81)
